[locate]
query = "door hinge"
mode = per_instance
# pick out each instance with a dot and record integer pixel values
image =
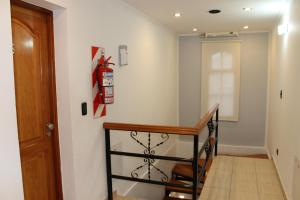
(13, 48)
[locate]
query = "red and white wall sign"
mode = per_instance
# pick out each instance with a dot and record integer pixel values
(99, 109)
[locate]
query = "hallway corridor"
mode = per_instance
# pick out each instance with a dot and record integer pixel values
(236, 178)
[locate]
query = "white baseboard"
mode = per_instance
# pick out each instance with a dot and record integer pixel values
(268, 153)
(185, 149)
(280, 179)
(241, 150)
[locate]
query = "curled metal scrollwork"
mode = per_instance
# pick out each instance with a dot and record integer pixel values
(149, 151)
(207, 148)
(134, 173)
(165, 138)
(211, 126)
(164, 177)
(133, 135)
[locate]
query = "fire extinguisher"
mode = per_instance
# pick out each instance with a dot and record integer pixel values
(105, 81)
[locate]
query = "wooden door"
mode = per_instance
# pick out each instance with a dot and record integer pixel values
(36, 101)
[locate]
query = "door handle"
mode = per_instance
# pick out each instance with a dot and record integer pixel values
(50, 128)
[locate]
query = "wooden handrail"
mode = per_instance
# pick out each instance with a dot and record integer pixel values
(165, 129)
(207, 116)
(151, 128)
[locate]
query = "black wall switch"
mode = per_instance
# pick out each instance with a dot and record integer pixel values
(83, 108)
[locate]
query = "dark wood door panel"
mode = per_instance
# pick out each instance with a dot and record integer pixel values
(35, 175)
(27, 78)
(36, 101)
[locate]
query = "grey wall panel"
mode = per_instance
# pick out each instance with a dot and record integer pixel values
(250, 129)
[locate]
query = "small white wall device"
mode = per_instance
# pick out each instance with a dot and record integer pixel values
(123, 55)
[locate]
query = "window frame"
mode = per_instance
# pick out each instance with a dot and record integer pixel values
(205, 81)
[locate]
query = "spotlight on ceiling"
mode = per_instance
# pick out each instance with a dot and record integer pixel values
(247, 9)
(283, 29)
(195, 29)
(177, 15)
(246, 27)
(214, 11)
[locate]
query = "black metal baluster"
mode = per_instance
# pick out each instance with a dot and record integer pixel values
(217, 132)
(149, 164)
(195, 167)
(149, 152)
(108, 164)
(210, 126)
(209, 147)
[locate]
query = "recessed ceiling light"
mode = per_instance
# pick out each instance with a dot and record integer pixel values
(214, 11)
(195, 29)
(283, 29)
(247, 9)
(246, 27)
(177, 15)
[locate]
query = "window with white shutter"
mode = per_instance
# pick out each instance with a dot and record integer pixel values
(220, 79)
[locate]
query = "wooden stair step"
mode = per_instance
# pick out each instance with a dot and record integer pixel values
(186, 170)
(174, 198)
(180, 190)
(260, 156)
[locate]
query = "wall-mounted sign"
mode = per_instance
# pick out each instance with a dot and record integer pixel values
(123, 55)
(99, 109)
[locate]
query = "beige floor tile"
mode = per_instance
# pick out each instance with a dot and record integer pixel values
(219, 179)
(218, 182)
(242, 179)
(245, 170)
(214, 194)
(244, 162)
(244, 165)
(244, 176)
(264, 170)
(219, 173)
(264, 166)
(264, 163)
(244, 186)
(223, 162)
(271, 197)
(267, 177)
(243, 196)
(223, 159)
(124, 198)
(224, 167)
(267, 188)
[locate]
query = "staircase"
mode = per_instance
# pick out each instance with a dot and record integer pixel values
(183, 174)
(188, 175)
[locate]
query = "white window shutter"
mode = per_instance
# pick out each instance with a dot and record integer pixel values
(220, 80)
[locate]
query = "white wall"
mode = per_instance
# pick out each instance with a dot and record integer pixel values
(145, 90)
(10, 168)
(284, 114)
(249, 131)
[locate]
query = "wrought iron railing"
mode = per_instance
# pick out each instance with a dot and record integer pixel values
(210, 119)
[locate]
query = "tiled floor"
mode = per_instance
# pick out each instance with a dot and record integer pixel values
(236, 178)
(124, 198)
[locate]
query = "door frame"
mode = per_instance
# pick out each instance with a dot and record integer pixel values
(51, 61)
